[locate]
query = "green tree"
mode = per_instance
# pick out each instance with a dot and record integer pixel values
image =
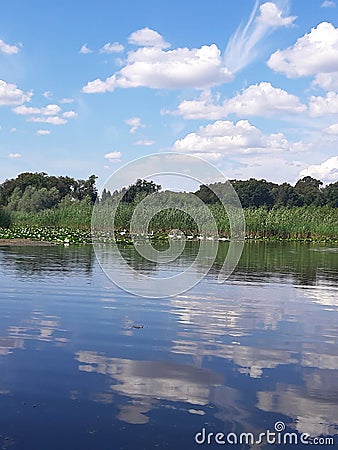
(330, 193)
(308, 189)
(285, 195)
(254, 193)
(139, 190)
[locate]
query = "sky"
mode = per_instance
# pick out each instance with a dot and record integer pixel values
(249, 86)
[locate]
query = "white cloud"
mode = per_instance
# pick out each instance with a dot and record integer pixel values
(328, 4)
(49, 110)
(146, 143)
(332, 129)
(66, 100)
(69, 114)
(227, 138)
(99, 87)
(257, 100)
(13, 130)
(327, 81)
(84, 50)
(243, 46)
(47, 114)
(11, 95)
(113, 156)
(156, 68)
(320, 106)
(47, 94)
(314, 53)
(114, 47)
(272, 16)
(53, 120)
(135, 123)
(327, 171)
(43, 132)
(147, 38)
(277, 169)
(14, 155)
(8, 49)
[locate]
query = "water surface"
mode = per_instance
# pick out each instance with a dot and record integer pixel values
(234, 357)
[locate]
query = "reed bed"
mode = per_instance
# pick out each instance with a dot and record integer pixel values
(298, 223)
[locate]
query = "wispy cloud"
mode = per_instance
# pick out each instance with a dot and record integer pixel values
(328, 4)
(113, 156)
(85, 50)
(146, 143)
(114, 47)
(135, 123)
(243, 47)
(8, 49)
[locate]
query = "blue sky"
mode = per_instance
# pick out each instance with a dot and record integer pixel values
(249, 86)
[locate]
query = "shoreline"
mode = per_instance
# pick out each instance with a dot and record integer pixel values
(26, 242)
(43, 243)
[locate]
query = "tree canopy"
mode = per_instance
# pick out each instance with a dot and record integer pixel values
(32, 192)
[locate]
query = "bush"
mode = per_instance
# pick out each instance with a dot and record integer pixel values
(5, 218)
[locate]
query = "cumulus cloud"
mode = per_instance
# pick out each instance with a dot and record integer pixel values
(328, 4)
(321, 106)
(327, 81)
(114, 47)
(154, 67)
(147, 38)
(315, 53)
(8, 49)
(48, 94)
(43, 132)
(224, 138)
(135, 123)
(243, 46)
(69, 114)
(84, 50)
(66, 100)
(49, 110)
(146, 143)
(14, 155)
(327, 171)
(332, 129)
(11, 95)
(53, 120)
(113, 156)
(257, 100)
(47, 114)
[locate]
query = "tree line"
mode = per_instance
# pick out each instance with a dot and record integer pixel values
(252, 193)
(33, 192)
(307, 191)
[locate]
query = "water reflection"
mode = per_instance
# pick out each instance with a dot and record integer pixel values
(236, 356)
(33, 261)
(149, 382)
(305, 264)
(313, 405)
(40, 327)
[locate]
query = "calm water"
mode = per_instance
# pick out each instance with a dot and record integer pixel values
(237, 357)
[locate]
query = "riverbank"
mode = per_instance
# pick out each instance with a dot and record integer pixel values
(34, 235)
(15, 241)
